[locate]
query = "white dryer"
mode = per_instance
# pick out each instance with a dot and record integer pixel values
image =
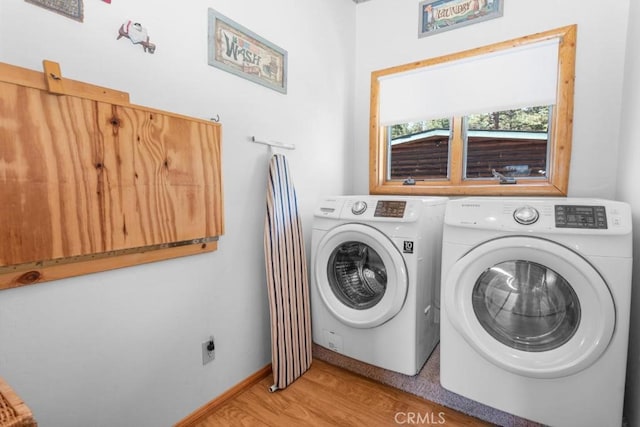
(375, 263)
(535, 306)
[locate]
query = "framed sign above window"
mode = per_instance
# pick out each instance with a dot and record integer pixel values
(494, 120)
(437, 16)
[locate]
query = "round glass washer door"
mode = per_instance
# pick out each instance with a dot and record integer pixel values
(530, 306)
(360, 275)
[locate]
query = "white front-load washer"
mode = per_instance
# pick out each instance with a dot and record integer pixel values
(375, 263)
(535, 306)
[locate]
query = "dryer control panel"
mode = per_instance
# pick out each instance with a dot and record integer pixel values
(587, 216)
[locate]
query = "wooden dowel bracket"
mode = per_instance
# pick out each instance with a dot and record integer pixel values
(53, 77)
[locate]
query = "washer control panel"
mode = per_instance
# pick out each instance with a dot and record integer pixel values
(390, 209)
(359, 207)
(526, 215)
(581, 216)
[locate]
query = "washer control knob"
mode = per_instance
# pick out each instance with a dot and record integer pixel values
(359, 207)
(526, 215)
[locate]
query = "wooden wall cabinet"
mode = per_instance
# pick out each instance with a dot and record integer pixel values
(89, 182)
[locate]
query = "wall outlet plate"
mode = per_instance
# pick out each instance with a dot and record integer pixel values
(208, 355)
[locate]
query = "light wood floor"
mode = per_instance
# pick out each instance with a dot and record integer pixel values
(330, 396)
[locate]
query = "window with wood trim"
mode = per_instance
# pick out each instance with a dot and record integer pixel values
(489, 121)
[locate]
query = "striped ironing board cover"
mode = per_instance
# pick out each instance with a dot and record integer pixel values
(287, 281)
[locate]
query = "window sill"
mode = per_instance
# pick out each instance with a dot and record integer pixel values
(475, 188)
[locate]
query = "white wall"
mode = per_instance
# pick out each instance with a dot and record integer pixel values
(628, 178)
(122, 348)
(386, 35)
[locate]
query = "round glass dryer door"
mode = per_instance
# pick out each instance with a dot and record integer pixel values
(360, 275)
(526, 305)
(530, 306)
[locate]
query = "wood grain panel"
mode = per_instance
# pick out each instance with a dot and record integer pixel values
(158, 178)
(46, 189)
(83, 179)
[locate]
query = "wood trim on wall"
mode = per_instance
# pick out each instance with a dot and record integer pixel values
(15, 276)
(204, 411)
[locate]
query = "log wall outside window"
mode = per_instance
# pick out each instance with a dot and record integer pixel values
(428, 158)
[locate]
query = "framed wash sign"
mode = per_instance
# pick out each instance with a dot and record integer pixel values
(236, 49)
(441, 15)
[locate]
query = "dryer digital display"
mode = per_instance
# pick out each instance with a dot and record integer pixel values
(576, 216)
(390, 209)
